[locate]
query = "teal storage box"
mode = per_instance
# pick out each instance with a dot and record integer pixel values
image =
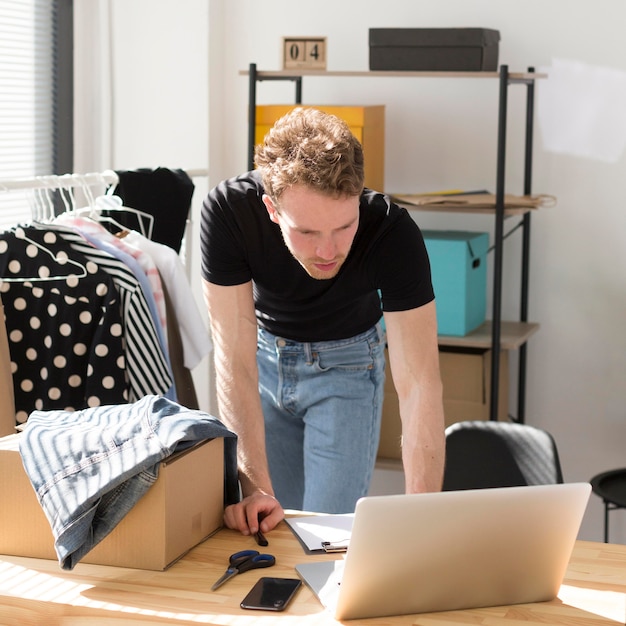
(458, 261)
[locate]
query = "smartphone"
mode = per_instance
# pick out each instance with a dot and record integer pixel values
(271, 594)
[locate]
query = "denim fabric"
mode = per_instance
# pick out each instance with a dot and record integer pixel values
(322, 404)
(89, 467)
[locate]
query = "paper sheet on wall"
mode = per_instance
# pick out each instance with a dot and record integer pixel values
(314, 529)
(580, 110)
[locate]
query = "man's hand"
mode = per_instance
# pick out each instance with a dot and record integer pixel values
(258, 511)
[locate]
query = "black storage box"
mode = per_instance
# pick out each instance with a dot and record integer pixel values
(434, 49)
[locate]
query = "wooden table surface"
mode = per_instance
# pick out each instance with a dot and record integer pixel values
(38, 592)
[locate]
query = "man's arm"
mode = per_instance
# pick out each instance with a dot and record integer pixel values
(414, 359)
(234, 330)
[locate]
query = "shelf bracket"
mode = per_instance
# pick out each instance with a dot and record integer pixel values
(505, 79)
(253, 78)
(498, 244)
(525, 277)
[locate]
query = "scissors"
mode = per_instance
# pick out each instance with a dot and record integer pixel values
(242, 562)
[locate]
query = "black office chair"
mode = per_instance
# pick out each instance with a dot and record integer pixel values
(482, 454)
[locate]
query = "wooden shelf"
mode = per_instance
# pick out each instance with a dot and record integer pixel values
(273, 74)
(473, 203)
(384, 463)
(512, 336)
(455, 208)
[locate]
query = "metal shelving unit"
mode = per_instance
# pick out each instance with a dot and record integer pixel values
(495, 334)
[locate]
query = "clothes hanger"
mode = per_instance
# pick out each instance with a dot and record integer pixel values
(109, 202)
(49, 184)
(59, 258)
(115, 203)
(67, 198)
(36, 204)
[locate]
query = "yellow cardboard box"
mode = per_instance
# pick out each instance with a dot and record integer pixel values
(183, 508)
(367, 124)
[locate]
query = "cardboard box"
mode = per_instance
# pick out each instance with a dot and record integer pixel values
(434, 49)
(367, 124)
(466, 376)
(183, 507)
(7, 399)
(389, 446)
(458, 261)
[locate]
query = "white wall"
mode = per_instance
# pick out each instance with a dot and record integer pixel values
(151, 59)
(440, 134)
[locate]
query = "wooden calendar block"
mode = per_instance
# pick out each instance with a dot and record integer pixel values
(304, 53)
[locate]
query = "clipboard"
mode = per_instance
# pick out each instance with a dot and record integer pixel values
(322, 533)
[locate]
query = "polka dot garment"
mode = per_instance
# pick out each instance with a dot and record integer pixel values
(64, 326)
(146, 362)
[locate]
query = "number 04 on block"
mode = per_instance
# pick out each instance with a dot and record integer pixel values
(304, 53)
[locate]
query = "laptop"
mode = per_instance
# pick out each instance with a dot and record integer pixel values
(452, 550)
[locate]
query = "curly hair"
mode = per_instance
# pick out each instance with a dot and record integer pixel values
(311, 148)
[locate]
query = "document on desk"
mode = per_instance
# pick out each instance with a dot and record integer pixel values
(316, 531)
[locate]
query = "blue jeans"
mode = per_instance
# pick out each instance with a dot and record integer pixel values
(322, 403)
(89, 467)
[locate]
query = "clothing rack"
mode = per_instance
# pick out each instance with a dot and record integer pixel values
(84, 183)
(155, 350)
(68, 181)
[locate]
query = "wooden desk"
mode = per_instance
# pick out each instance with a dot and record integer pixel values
(37, 592)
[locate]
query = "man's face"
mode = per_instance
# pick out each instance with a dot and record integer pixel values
(317, 230)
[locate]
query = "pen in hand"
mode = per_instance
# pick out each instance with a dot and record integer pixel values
(260, 538)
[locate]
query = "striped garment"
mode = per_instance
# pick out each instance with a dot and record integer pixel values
(146, 363)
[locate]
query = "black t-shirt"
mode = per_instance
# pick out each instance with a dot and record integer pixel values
(387, 265)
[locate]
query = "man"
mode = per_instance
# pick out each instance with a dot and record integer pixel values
(297, 261)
